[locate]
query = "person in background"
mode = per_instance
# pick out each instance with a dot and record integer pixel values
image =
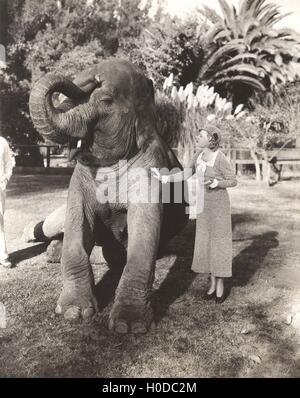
(213, 240)
(7, 162)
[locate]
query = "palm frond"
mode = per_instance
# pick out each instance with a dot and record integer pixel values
(222, 35)
(249, 81)
(239, 58)
(226, 51)
(246, 47)
(214, 31)
(210, 14)
(249, 26)
(244, 6)
(271, 18)
(228, 15)
(238, 69)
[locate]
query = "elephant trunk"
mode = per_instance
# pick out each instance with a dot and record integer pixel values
(55, 124)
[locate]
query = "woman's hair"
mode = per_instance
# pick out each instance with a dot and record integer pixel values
(213, 135)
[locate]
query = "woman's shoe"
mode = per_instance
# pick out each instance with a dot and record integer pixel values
(221, 299)
(193, 272)
(209, 296)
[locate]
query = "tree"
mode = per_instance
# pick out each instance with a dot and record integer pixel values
(245, 52)
(265, 129)
(59, 36)
(183, 112)
(289, 97)
(168, 46)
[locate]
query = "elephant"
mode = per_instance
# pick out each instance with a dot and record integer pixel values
(110, 111)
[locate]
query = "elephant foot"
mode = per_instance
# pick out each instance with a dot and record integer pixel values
(134, 318)
(54, 251)
(75, 303)
(28, 233)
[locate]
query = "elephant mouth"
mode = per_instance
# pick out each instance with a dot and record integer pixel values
(102, 158)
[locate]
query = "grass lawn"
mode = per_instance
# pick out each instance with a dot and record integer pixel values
(254, 333)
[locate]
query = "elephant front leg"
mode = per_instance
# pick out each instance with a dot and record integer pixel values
(131, 310)
(77, 298)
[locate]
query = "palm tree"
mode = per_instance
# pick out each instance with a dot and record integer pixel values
(246, 53)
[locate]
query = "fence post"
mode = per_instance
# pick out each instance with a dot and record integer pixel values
(233, 160)
(48, 156)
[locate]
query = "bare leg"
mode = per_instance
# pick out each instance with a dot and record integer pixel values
(48, 229)
(220, 287)
(212, 287)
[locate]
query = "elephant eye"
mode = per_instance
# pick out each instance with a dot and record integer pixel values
(107, 100)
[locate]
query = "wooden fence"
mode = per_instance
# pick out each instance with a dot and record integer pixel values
(237, 156)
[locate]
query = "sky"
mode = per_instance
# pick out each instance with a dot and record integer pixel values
(182, 7)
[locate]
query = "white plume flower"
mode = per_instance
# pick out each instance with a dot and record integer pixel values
(238, 109)
(211, 117)
(174, 93)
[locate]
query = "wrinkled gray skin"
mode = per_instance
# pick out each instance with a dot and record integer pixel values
(111, 107)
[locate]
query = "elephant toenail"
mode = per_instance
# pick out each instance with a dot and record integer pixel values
(88, 313)
(118, 326)
(121, 327)
(72, 313)
(111, 325)
(153, 327)
(138, 328)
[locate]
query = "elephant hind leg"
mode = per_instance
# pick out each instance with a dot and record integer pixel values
(174, 221)
(48, 229)
(113, 250)
(54, 251)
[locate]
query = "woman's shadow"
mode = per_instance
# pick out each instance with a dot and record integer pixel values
(249, 260)
(179, 277)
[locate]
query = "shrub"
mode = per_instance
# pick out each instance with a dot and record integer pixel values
(189, 110)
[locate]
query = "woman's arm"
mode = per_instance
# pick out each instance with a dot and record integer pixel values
(181, 175)
(229, 179)
(176, 177)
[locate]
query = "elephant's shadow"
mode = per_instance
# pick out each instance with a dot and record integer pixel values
(105, 288)
(179, 277)
(175, 284)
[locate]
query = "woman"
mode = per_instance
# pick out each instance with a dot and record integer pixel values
(213, 240)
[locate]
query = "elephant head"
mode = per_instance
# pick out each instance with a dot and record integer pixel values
(110, 107)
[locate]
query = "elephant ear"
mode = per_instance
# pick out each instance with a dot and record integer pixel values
(151, 88)
(144, 133)
(145, 125)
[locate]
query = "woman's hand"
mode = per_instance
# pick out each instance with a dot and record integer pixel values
(205, 182)
(214, 184)
(155, 173)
